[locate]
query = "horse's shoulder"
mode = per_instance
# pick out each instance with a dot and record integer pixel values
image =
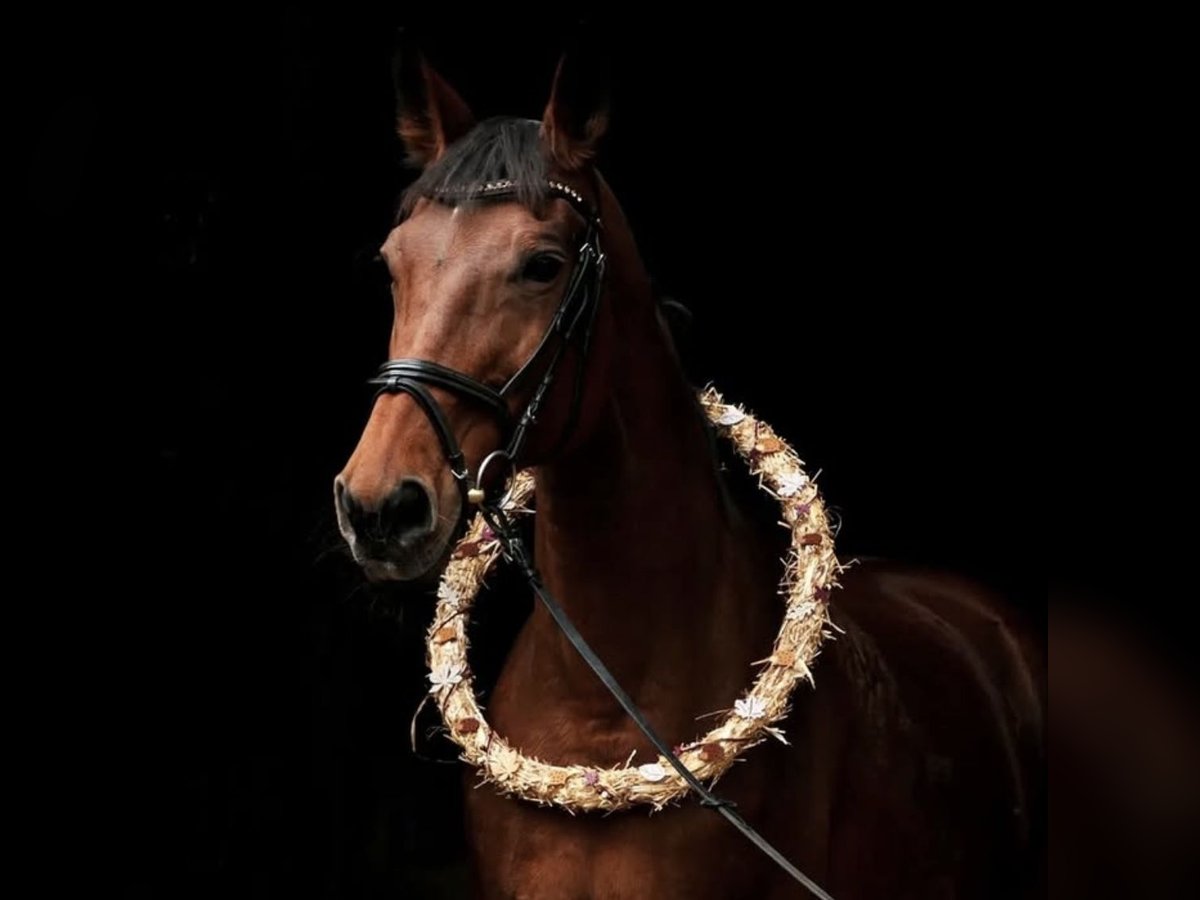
(963, 673)
(944, 622)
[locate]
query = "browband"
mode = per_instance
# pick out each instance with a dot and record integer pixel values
(506, 187)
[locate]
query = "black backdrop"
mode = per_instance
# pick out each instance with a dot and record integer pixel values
(203, 185)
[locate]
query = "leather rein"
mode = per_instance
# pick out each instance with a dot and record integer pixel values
(572, 324)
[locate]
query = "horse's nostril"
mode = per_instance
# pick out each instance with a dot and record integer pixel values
(405, 515)
(408, 512)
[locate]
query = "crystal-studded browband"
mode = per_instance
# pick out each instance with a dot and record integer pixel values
(506, 186)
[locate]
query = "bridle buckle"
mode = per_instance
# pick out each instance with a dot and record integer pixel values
(478, 494)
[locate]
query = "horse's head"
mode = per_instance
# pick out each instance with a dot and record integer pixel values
(495, 278)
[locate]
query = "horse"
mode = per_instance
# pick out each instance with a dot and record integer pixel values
(913, 771)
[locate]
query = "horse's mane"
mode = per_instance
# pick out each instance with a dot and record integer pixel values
(494, 150)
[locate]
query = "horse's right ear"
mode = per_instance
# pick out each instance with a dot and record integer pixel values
(430, 116)
(577, 115)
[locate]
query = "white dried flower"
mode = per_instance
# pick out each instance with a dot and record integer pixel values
(750, 707)
(652, 772)
(731, 416)
(504, 766)
(791, 483)
(447, 594)
(445, 676)
(800, 611)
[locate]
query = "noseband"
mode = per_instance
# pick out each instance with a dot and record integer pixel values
(572, 323)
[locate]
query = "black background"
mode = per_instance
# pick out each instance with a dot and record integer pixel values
(832, 198)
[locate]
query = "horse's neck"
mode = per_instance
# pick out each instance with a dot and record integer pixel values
(638, 541)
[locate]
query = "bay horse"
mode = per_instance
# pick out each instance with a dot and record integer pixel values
(915, 767)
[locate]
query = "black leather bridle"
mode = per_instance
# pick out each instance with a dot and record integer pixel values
(572, 324)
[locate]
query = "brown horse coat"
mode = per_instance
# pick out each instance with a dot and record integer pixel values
(915, 766)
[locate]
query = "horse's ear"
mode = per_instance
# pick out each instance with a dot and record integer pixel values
(577, 115)
(430, 116)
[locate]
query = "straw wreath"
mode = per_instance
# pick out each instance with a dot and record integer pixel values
(810, 569)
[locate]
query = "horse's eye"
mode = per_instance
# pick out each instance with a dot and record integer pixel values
(542, 268)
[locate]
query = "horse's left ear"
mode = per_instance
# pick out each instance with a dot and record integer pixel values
(430, 114)
(577, 115)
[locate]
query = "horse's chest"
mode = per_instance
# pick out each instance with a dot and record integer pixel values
(529, 853)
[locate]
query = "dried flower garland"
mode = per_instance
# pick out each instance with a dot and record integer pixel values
(809, 572)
